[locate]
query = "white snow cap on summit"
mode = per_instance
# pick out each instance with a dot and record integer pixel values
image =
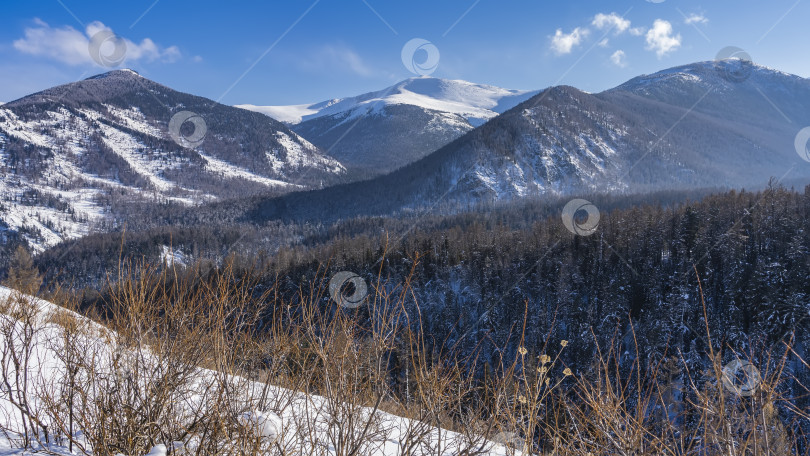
(477, 102)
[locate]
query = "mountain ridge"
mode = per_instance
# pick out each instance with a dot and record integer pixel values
(380, 131)
(77, 155)
(565, 141)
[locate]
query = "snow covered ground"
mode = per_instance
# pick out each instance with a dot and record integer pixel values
(63, 179)
(230, 171)
(293, 420)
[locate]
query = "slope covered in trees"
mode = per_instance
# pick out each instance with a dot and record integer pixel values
(687, 283)
(638, 274)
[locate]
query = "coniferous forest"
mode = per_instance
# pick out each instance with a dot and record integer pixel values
(678, 280)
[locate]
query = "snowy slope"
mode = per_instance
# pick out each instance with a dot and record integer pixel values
(378, 132)
(475, 102)
(297, 421)
(723, 75)
(74, 155)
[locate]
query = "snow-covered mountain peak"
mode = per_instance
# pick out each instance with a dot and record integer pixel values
(475, 102)
(711, 73)
(380, 131)
(123, 73)
(99, 88)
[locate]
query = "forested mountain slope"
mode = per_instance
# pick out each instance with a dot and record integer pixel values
(82, 156)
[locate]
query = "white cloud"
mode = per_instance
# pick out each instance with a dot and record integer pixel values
(660, 38)
(619, 59)
(637, 31)
(696, 19)
(563, 43)
(611, 21)
(604, 43)
(68, 45)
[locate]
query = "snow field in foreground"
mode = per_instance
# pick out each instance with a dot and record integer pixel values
(274, 417)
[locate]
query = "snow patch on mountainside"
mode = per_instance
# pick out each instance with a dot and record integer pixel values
(228, 170)
(173, 257)
(444, 121)
(298, 153)
(29, 131)
(135, 154)
(133, 118)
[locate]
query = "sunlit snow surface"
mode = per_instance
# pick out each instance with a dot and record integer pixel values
(475, 102)
(292, 410)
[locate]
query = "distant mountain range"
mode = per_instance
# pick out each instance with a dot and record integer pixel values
(76, 157)
(698, 125)
(94, 154)
(378, 132)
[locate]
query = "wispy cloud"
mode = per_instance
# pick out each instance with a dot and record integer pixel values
(660, 38)
(564, 43)
(611, 21)
(619, 59)
(70, 46)
(638, 31)
(695, 18)
(336, 58)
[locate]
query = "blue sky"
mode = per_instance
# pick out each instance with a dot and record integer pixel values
(300, 51)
